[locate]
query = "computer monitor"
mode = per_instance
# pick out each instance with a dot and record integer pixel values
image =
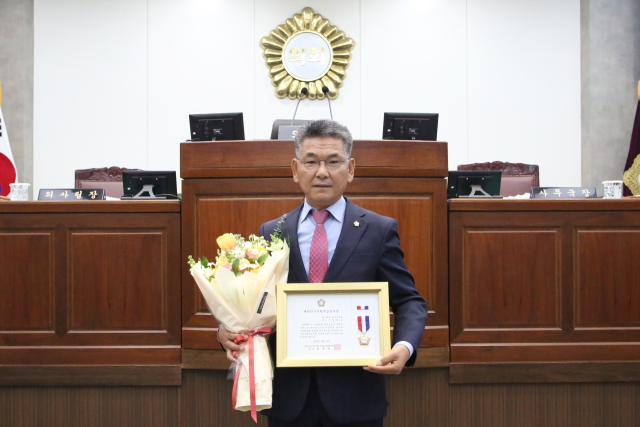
(275, 129)
(149, 185)
(408, 126)
(216, 127)
(481, 184)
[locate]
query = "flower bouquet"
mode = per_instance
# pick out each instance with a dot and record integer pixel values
(240, 291)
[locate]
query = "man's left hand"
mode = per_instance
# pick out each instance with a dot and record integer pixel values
(392, 363)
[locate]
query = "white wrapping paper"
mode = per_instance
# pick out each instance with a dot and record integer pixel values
(246, 303)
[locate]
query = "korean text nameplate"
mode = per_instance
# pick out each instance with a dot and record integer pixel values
(69, 194)
(563, 193)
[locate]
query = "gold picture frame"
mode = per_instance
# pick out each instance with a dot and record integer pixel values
(329, 291)
(631, 176)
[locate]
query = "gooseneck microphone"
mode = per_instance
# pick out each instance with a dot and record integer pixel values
(303, 92)
(325, 90)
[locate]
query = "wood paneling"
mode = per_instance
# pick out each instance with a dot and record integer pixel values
(217, 359)
(374, 159)
(535, 405)
(506, 284)
(27, 294)
(87, 206)
(541, 352)
(90, 406)
(205, 400)
(90, 375)
(417, 397)
(100, 287)
(88, 354)
(608, 266)
(552, 372)
(424, 397)
(125, 290)
(541, 205)
(544, 284)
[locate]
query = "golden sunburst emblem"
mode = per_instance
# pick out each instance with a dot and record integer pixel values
(307, 51)
(631, 176)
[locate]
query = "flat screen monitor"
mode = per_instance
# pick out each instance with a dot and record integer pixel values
(408, 126)
(284, 122)
(481, 183)
(149, 185)
(216, 127)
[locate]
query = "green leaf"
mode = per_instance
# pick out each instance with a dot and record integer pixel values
(234, 266)
(263, 258)
(205, 261)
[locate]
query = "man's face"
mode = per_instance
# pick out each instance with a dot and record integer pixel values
(325, 185)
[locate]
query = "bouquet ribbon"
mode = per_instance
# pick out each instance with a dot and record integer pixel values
(252, 377)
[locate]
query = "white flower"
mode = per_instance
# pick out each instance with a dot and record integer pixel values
(245, 266)
(238, 252)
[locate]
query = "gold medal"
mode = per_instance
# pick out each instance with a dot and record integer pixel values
(364, 339)
(363, 326)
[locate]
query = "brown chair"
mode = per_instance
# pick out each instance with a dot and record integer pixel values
(517, 178)
(108, 178)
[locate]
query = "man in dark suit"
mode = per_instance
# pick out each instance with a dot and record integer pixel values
(334, 240)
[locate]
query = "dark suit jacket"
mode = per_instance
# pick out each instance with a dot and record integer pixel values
(367, 253)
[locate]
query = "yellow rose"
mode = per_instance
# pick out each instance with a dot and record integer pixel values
(242, 262)
(226, 241)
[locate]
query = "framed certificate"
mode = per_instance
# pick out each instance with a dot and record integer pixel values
(332, 324)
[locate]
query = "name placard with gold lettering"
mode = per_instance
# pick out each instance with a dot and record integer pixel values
(332, 324)
(70, 194)
(563, 193)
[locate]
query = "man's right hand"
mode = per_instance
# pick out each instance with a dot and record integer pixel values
(227, 341)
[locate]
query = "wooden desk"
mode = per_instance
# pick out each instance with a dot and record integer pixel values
(544, 290)
(236, 186)
(90, 292)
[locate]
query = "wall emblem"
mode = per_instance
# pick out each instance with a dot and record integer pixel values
(307, 51)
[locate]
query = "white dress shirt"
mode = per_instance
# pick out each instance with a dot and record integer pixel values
(333, 227)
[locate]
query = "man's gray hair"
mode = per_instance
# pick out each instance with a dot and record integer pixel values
(322, 128)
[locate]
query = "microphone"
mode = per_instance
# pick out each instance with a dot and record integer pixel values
(325, 90)
(303, 92)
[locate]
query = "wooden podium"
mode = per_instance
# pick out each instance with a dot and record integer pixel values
(236, 186)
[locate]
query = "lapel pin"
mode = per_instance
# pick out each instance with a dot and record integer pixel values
(356, 223)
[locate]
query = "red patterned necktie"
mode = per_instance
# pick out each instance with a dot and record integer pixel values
(319, 253)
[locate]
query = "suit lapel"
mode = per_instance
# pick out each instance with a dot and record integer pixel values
(290, 229)
(348, 240)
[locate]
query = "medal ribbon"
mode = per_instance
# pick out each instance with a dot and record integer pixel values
(252, 375)
(366, 319)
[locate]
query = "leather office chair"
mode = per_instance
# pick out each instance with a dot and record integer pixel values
(108, 178)
(517, 178)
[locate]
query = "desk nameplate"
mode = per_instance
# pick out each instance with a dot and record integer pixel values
(70, 194)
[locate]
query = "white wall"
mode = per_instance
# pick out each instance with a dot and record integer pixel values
(115, 80)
